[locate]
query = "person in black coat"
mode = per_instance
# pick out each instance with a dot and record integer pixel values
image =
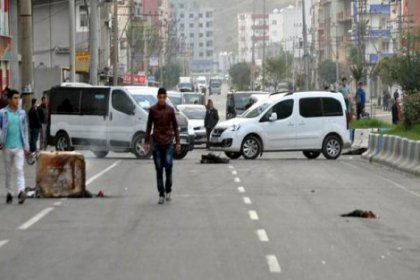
(211, 119)
(35, 126)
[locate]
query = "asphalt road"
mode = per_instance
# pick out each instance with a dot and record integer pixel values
(277, 217)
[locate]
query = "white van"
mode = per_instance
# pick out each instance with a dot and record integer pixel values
(103, 119)
(311, 122)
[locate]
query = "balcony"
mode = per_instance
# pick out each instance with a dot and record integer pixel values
(344, 16)
(382, 9)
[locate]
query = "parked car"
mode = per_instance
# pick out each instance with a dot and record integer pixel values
(175, 97)
(237, 101)
(215, 86)
(201, 84)
(195, 115)
(104, 119)
(311, 122)
(185, 84)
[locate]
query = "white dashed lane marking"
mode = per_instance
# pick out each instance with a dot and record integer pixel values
(273, 264)
(253, 215)
(58, 203)
(234, 172)
(247, 200)
(241, 189)
(237, 180)
(36, 218)
(3, 242)
(262, 235)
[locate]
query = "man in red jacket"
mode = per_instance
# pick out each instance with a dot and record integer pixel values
(163, 120)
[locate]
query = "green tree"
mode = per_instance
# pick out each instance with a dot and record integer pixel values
(277, 70)
(170, 75)
(327, 71)
(240, 74)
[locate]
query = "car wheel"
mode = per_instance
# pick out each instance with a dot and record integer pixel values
(233, 155)
(100, 154)
(183, 153)
(311, 154)
(332, 147)
(62, 142)
(251, 147)
(138, 147)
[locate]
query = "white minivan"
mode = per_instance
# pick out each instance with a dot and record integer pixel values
(103, 119)
(311, 122)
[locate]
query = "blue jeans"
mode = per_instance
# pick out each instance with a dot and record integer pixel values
(163, 159)
(33, 139)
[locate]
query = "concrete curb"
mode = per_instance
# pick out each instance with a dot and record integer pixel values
(394, 151)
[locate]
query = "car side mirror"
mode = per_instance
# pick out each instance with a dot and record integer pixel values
(273, 117)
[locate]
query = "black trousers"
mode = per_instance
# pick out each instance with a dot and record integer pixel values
(163, 159)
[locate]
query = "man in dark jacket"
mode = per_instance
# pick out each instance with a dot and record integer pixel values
(163, 121)
(211, 119)
(35, 126)
(360, 100)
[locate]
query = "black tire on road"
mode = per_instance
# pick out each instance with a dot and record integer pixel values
(332, 147)
(233, 155)
(62, 142)
(100, 154)
(311, 154)
(183, 153)
(138, 147)
(251, 147)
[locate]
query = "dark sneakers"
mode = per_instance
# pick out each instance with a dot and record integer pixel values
(9, 198)
(161, 200)
(21, 197)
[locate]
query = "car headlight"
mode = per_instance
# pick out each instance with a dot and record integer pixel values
(234, 127)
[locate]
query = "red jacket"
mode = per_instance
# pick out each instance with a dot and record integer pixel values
(164, 123)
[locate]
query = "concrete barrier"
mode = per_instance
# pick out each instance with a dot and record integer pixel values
(389, 151)
(373, 141)
(406, 161)
(414, 166)
(387, 141)
(361, 138)
(403, 153)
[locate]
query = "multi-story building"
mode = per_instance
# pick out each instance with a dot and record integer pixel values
(195, 30)
(5, 44)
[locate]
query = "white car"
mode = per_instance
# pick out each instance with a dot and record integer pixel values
(195, 115)
(201, 84)
(311, 122)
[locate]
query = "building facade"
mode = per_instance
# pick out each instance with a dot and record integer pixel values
(5, 45)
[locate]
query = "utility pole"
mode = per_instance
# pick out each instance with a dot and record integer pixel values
(14, 63)
(25, 8)
(253, 50)
(115, 43)
(72, 62)
(305, 46)
(263, 54)
(93, 42)
(130, 46)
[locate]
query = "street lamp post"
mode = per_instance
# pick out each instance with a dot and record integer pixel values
(305, 46)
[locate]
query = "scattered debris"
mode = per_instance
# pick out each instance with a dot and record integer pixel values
(100, 194)
(361, 214)
(212, 158)
(312, 191)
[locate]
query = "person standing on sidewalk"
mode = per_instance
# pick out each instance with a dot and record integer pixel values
(35, 126)
(14, 138)
(165, 127)
(211, 119)
(345, 91)
(43, 114)
(360, 99)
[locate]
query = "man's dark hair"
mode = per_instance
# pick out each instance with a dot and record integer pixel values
(33, 101)
(11, 92)
(360, 83)
(344, 79)
(43, 98)
(161, 91)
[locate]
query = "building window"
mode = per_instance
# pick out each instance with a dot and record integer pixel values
(181, 6)
(209, 44)
(201, 35)
(192, 45)
(274, 22)
(181, 15)
(201, 44)
(385, 47)
(182, 26)
(191, 35)
(209, 24)
(191, 15)
(201, 54)
(191, 25)
(82, 19)
(200, 15)
(200, 25)
(209, 33)
(209, 53)
(209, 14)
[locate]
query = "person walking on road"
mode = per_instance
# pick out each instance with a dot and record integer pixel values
(211, 119)
(163, 121)
(35, 126)
(14, 138)
(345, 91)
(43, 114)
(360, 100)
(396, 95)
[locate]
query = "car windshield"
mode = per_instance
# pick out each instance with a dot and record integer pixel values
(192, 98)
(241, 100)
(194, 113)
(185, 85)
(256, 110)
(216, 83)
(145, 101)
(176, 100)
